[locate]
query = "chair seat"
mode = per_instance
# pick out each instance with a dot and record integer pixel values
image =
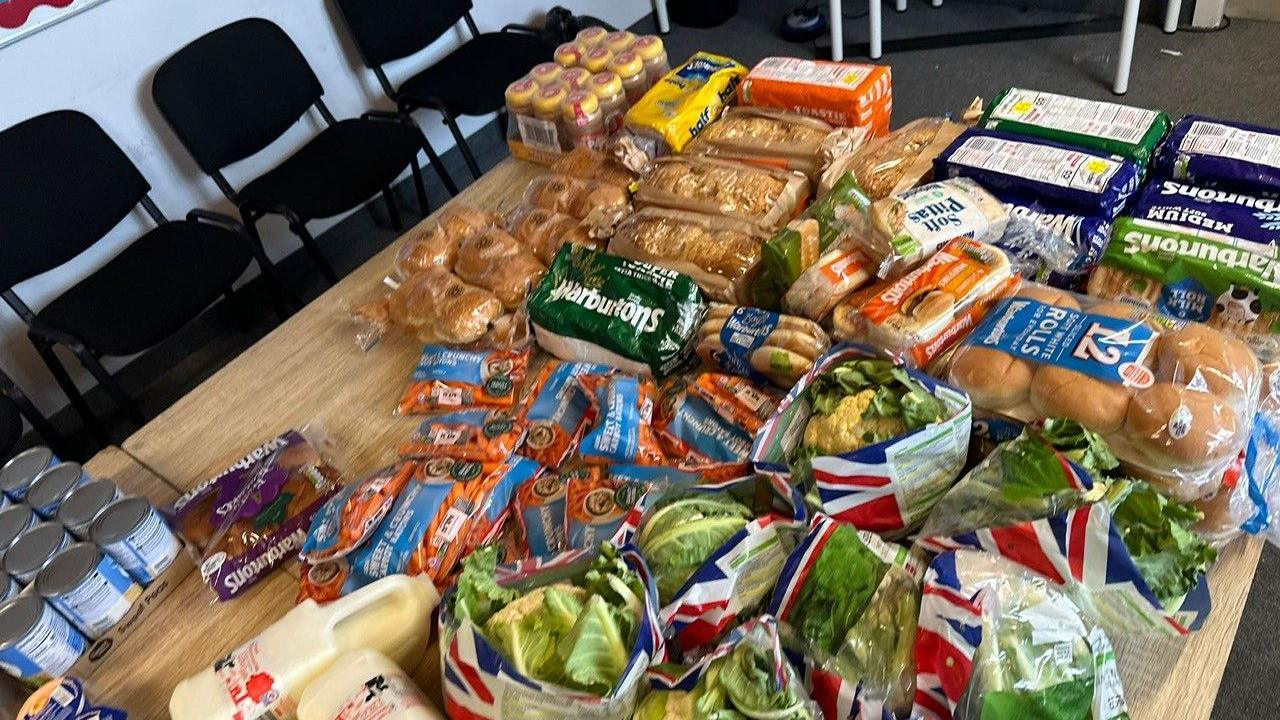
(472, 79)
(10, 427)
(345, 165)
(155, 286)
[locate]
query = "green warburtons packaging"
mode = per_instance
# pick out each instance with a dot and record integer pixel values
(1122, 130)
(601, 308)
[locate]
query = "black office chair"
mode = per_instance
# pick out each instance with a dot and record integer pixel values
(230, 93)
(15, 405)
(64, 185)
(471, 80)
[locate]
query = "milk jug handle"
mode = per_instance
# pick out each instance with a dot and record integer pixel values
(375, 594)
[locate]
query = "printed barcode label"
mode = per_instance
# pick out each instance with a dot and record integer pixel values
(1108, 693)
(453, 521)
(446, 436)
(1076, 115)
(1039, 163)
(752, 398)
(1209, 138)
(1062, 653)
(445, 395)
(538, 134)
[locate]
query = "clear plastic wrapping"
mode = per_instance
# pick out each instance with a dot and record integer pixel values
(545, 231)
(720, 253)
(434, 306)
(903, 158)
(765, 197)
(1175, 404)
(434, 242)
(497, 262)
(766, 137)
(588, 164)
(759, 344)
(600, 205)
(911, 225)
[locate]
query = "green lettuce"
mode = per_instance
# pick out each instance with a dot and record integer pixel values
(478, 595)
(683, 531)
(837, 590)
(1157, 530)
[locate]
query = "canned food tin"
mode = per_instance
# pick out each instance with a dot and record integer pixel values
(134, 534)
(17, 475)
(28, 555)
(36, 642)
(84, 504)
(8, 586)
(88, 588)
(52, 486)
(13, 522)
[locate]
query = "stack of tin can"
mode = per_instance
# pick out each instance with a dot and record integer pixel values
(75, 554)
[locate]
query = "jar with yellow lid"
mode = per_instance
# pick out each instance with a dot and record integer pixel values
(607, 87)
(569, 54)
(597, 59)
(575, 78)
(519, 97)
(654, 55)
(582, 120)
(619, 40)
(591, 36)
(546, 73)
(543, 130)
(630, 68)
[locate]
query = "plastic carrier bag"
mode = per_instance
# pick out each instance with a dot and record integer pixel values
(1126, 554)
(902, 463)
(847, 602)
(715, 550)
(595, 591)
(1174, 404)
(996, 642)
(746, 676)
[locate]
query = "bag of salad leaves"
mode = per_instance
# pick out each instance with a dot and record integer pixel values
(872, 443)
(997, 642)
(1056, 501)
(568, 636)
(847, 603)
(747, 676)
(715, 551)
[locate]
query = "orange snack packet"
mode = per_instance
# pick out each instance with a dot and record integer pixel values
(736, 399)
(447, 378)
(623, 433)
(484, 436)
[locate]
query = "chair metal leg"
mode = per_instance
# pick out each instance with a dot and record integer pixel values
(38, 421)
(424, 207)
(835, 18)
(111, 385)
(308, 242)
(438, 165)
(275, 288)
(504, 121)
(393, 211)
(873, 19)
(236, 310)
(63, 378)
(462, 145)
(660, 16)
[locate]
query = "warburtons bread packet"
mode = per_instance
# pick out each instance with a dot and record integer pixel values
(1222, 154)
(1129, 132)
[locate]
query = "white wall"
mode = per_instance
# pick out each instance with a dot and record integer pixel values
(101, 62)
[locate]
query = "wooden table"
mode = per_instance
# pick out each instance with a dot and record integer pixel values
(309, 370)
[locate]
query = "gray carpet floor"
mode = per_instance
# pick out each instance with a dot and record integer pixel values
(1230, 73)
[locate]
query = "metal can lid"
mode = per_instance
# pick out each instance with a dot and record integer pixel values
(85, 503)
(119, 519)
(14, 521)
(53, 484)
(32, 550)
(24, 467)
(17, 616)
(68, 569)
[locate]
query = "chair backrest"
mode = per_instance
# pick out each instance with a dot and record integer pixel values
(64, 184)
(230, 93)
(387, 30)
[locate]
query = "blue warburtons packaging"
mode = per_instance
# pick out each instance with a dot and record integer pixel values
(1067, 248)
(1061, 176)
(1211, 212)
(1222, 154)
(738, 576)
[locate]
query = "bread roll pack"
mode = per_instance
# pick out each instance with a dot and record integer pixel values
(1175, 404)
(897, 161)
(764, 197)
(766, 137)
(760, 345)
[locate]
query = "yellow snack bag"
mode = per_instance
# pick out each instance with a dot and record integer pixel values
(684, 102)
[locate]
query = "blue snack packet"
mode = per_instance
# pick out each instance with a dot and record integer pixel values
(1062, 176)
(1222, 154)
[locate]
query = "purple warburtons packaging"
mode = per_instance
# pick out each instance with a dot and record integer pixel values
(1222, 154)
(1212, 212)
(254, 516)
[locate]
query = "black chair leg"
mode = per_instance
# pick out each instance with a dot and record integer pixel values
(236, 310)
(275, 288)
(393, 211)
(308, 242)
(63, 378)
(503, 121)
(424, 206)
(111, 385)
(438, 165)
(462, 145)
(39, 423)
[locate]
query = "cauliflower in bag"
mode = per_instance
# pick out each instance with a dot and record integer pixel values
(864, 402)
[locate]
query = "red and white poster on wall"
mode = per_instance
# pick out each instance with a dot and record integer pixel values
(20, 18)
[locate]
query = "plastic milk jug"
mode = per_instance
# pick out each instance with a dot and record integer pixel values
(365, 685)
(265, 677)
